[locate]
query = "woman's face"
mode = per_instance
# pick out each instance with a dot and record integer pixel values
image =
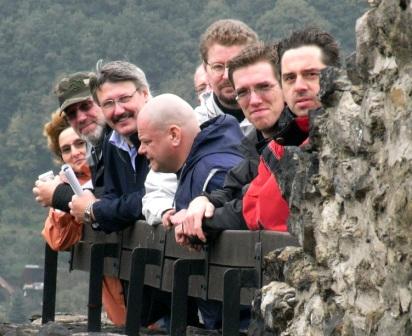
(73, 149)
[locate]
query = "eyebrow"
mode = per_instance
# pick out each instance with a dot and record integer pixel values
(311, 70)
(287, 73)
(256, 84)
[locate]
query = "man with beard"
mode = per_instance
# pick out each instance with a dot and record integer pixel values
(87, 119)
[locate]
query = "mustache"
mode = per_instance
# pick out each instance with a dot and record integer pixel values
(226, 83)
(303, 95)
(126, 114)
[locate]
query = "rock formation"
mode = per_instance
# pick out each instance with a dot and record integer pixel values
(350, 194)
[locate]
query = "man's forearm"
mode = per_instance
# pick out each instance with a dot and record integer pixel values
(62, 196)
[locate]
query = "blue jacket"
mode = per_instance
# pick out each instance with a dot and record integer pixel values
(215, 147)
(121, 203)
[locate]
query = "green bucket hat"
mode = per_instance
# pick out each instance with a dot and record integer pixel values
(73, 89)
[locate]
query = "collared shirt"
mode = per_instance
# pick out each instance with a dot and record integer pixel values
(119, 141)
(209, 108)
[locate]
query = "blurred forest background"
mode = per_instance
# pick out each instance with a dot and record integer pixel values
(42, 39)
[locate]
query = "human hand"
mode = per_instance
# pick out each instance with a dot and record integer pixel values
(178, 217)
(180, 236)
(191, 242)
(79, 203)
(198, 209)
(44, 190)
(63, 177)
(166, 222)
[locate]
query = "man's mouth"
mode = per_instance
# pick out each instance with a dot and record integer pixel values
(122, 117)
(304, 102)
(85, 126)
(225, 84)
(303, 99)
(258, 111)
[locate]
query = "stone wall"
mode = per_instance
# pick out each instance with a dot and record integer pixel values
(350, 194)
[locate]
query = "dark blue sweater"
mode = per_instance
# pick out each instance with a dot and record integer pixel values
(121, 202)
(215, 147)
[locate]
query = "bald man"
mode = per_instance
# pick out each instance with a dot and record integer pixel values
(172, 140)
(200, 82)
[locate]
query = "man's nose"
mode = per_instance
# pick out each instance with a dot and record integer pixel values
(118, 108)
(226, 73)
(254, 98)
(141, 149)
(300, 84)
(81, 116)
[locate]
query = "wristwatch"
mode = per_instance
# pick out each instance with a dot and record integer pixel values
(88, 214)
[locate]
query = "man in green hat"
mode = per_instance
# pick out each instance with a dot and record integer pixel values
(87, 119)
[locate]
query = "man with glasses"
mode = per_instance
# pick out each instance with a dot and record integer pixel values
(222, 40)
(87, 119)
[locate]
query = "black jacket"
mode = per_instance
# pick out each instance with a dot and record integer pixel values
(63, 193)
(228, 201)
(121, 203)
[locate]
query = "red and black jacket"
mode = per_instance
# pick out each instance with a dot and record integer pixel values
(264, 208)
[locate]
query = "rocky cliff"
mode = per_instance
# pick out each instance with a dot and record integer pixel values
(350, 193)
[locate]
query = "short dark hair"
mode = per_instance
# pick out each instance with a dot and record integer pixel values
(227, 32)
(252, 54)
(312, 37)
(117, 71)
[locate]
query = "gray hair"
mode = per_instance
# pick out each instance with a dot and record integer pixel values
(117, 71)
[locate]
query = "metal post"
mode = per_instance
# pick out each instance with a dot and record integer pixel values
(182, 269)
(49, 284)
(234, 280)
(97, 255)
(140, 258)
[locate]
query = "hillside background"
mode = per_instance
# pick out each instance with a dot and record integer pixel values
(42, 39)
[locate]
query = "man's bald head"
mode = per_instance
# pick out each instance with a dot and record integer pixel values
(168, 109)
(200, 81)
(167, 126)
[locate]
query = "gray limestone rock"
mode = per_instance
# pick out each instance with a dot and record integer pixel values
(350, 195)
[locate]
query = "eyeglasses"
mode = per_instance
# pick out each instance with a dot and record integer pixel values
(110, 104)
(71, 111)
(243, 95)
(78, 144)
(218, 69)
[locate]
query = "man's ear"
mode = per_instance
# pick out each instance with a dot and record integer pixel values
(145, 92)
(175, 135)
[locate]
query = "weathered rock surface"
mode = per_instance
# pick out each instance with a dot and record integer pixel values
(350, 194)
(64, 325)
(76, 325)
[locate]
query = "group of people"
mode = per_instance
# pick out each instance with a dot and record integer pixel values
(197, 170)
